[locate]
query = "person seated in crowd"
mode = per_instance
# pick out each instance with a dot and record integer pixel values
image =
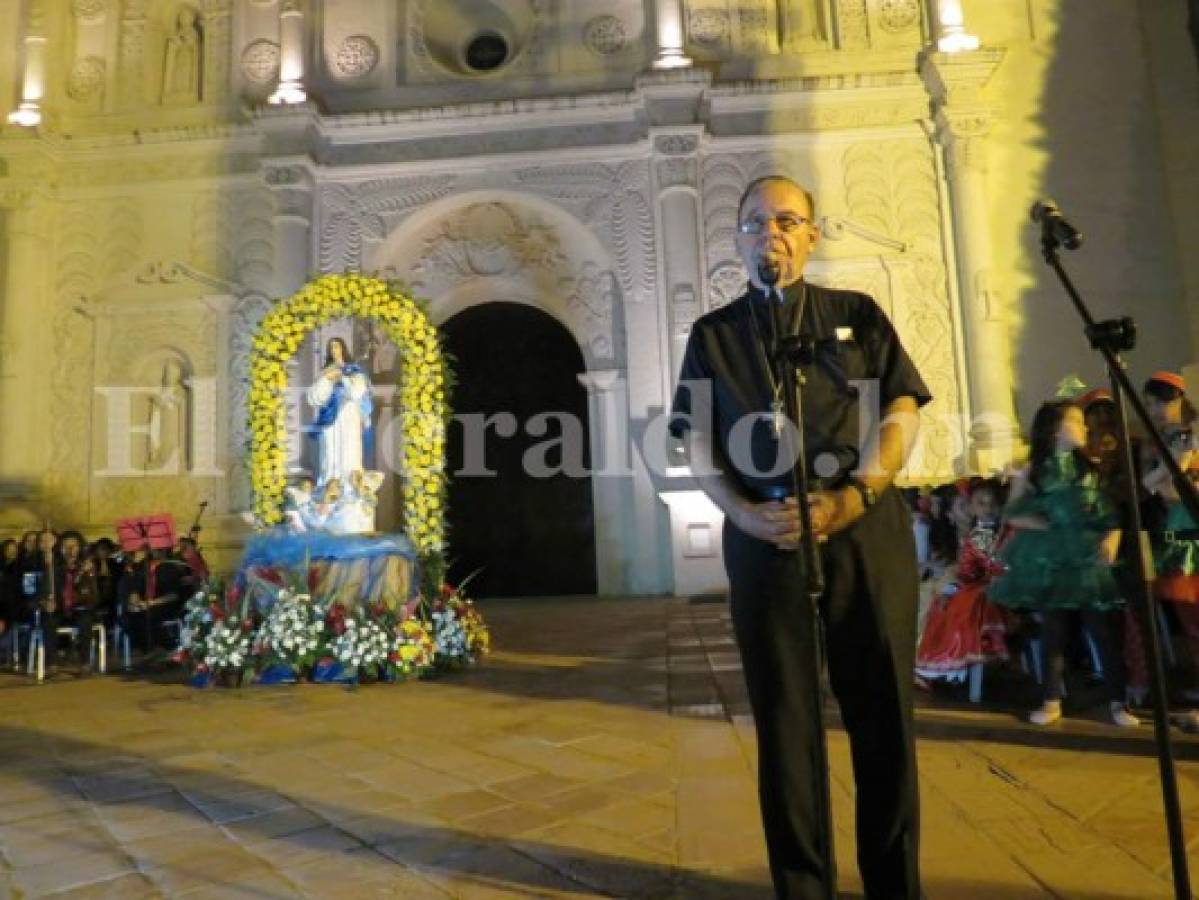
(75, 577)
(150, 592)
(10, 585)
(42, 582)
(106, 563)
(187, 550)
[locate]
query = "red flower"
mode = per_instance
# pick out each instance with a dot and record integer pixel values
(247, 625)
(392, 657)
(271, 574)
(218, 614)
(447, 590)
(314, 577)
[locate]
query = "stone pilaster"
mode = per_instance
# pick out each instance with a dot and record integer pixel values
(963, 122)
(25, 352)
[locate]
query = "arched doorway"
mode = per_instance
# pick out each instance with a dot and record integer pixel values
(530, 536)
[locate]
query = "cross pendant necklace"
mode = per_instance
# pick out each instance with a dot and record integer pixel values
(778, 414)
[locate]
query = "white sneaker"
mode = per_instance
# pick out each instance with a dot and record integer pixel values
(1122, 717)
(1050, 712)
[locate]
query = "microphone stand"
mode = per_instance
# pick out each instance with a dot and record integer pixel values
(790, 357)
(1109, 338)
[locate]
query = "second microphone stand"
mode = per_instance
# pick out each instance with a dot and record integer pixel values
(790, 360)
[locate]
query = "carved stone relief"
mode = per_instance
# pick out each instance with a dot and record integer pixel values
(85, 84)
(260, 62)
(756, 26)
(613, 200)
(502, 241)
(89, 10)
(132, 52)
(675, 171)
(605, 35)
(853, 28)
(898, 15)
(218, 34)
(708, 27)
(356, 57)
(96, 244)
(726, 282)
(352, 216)
(676, 144)
(892, 187)
(183, 61)
(803, 24)
(244, 320)
(232, 235)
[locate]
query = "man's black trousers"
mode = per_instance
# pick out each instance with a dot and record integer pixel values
(869, 610)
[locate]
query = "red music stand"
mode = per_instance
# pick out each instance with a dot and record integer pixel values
(136, 532)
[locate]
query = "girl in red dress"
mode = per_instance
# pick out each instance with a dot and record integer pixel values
(962, 628)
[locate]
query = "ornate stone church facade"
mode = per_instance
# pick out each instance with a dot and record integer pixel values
(192, 160)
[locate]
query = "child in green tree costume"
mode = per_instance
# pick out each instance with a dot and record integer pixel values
(1059, 558)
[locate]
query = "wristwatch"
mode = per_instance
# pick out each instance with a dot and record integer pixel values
(869, 497)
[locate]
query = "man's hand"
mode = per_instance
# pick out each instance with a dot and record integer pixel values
(834, 511)
(776, 521)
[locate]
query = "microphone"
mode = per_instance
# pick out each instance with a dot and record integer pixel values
(1054, 225)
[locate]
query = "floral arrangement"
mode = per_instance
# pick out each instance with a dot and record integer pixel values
(214, 636)
(459, 632)
(299, 634)
(292, 632)
(424, 383)
(227, 646)
(363, 645)
(413, 649)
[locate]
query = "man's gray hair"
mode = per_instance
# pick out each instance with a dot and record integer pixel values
(757, 183)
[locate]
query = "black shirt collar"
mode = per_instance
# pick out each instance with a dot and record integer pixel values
(791, 293)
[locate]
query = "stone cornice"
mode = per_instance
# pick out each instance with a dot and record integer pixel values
(959, 78)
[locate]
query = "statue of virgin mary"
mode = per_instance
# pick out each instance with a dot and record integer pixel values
(341, 397)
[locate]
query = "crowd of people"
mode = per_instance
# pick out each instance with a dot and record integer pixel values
(1041, 560)
(52, 581)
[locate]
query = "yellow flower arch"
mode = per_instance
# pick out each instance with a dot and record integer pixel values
(423, 387)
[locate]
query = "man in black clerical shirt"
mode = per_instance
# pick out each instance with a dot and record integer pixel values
(860, 397)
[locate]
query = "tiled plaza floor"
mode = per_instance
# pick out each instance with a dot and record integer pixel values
(603, 750)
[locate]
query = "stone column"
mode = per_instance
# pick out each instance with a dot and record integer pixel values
(291, 55)
(963, 122)
(952, 36)
(25, 351)
(676, 167)
(33, 83)
(611, 479)
(668, 26)
(292, 187)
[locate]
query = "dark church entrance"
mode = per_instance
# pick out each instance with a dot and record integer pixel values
(530, 536)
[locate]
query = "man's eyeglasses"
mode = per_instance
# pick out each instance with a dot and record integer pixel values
(785, 224)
